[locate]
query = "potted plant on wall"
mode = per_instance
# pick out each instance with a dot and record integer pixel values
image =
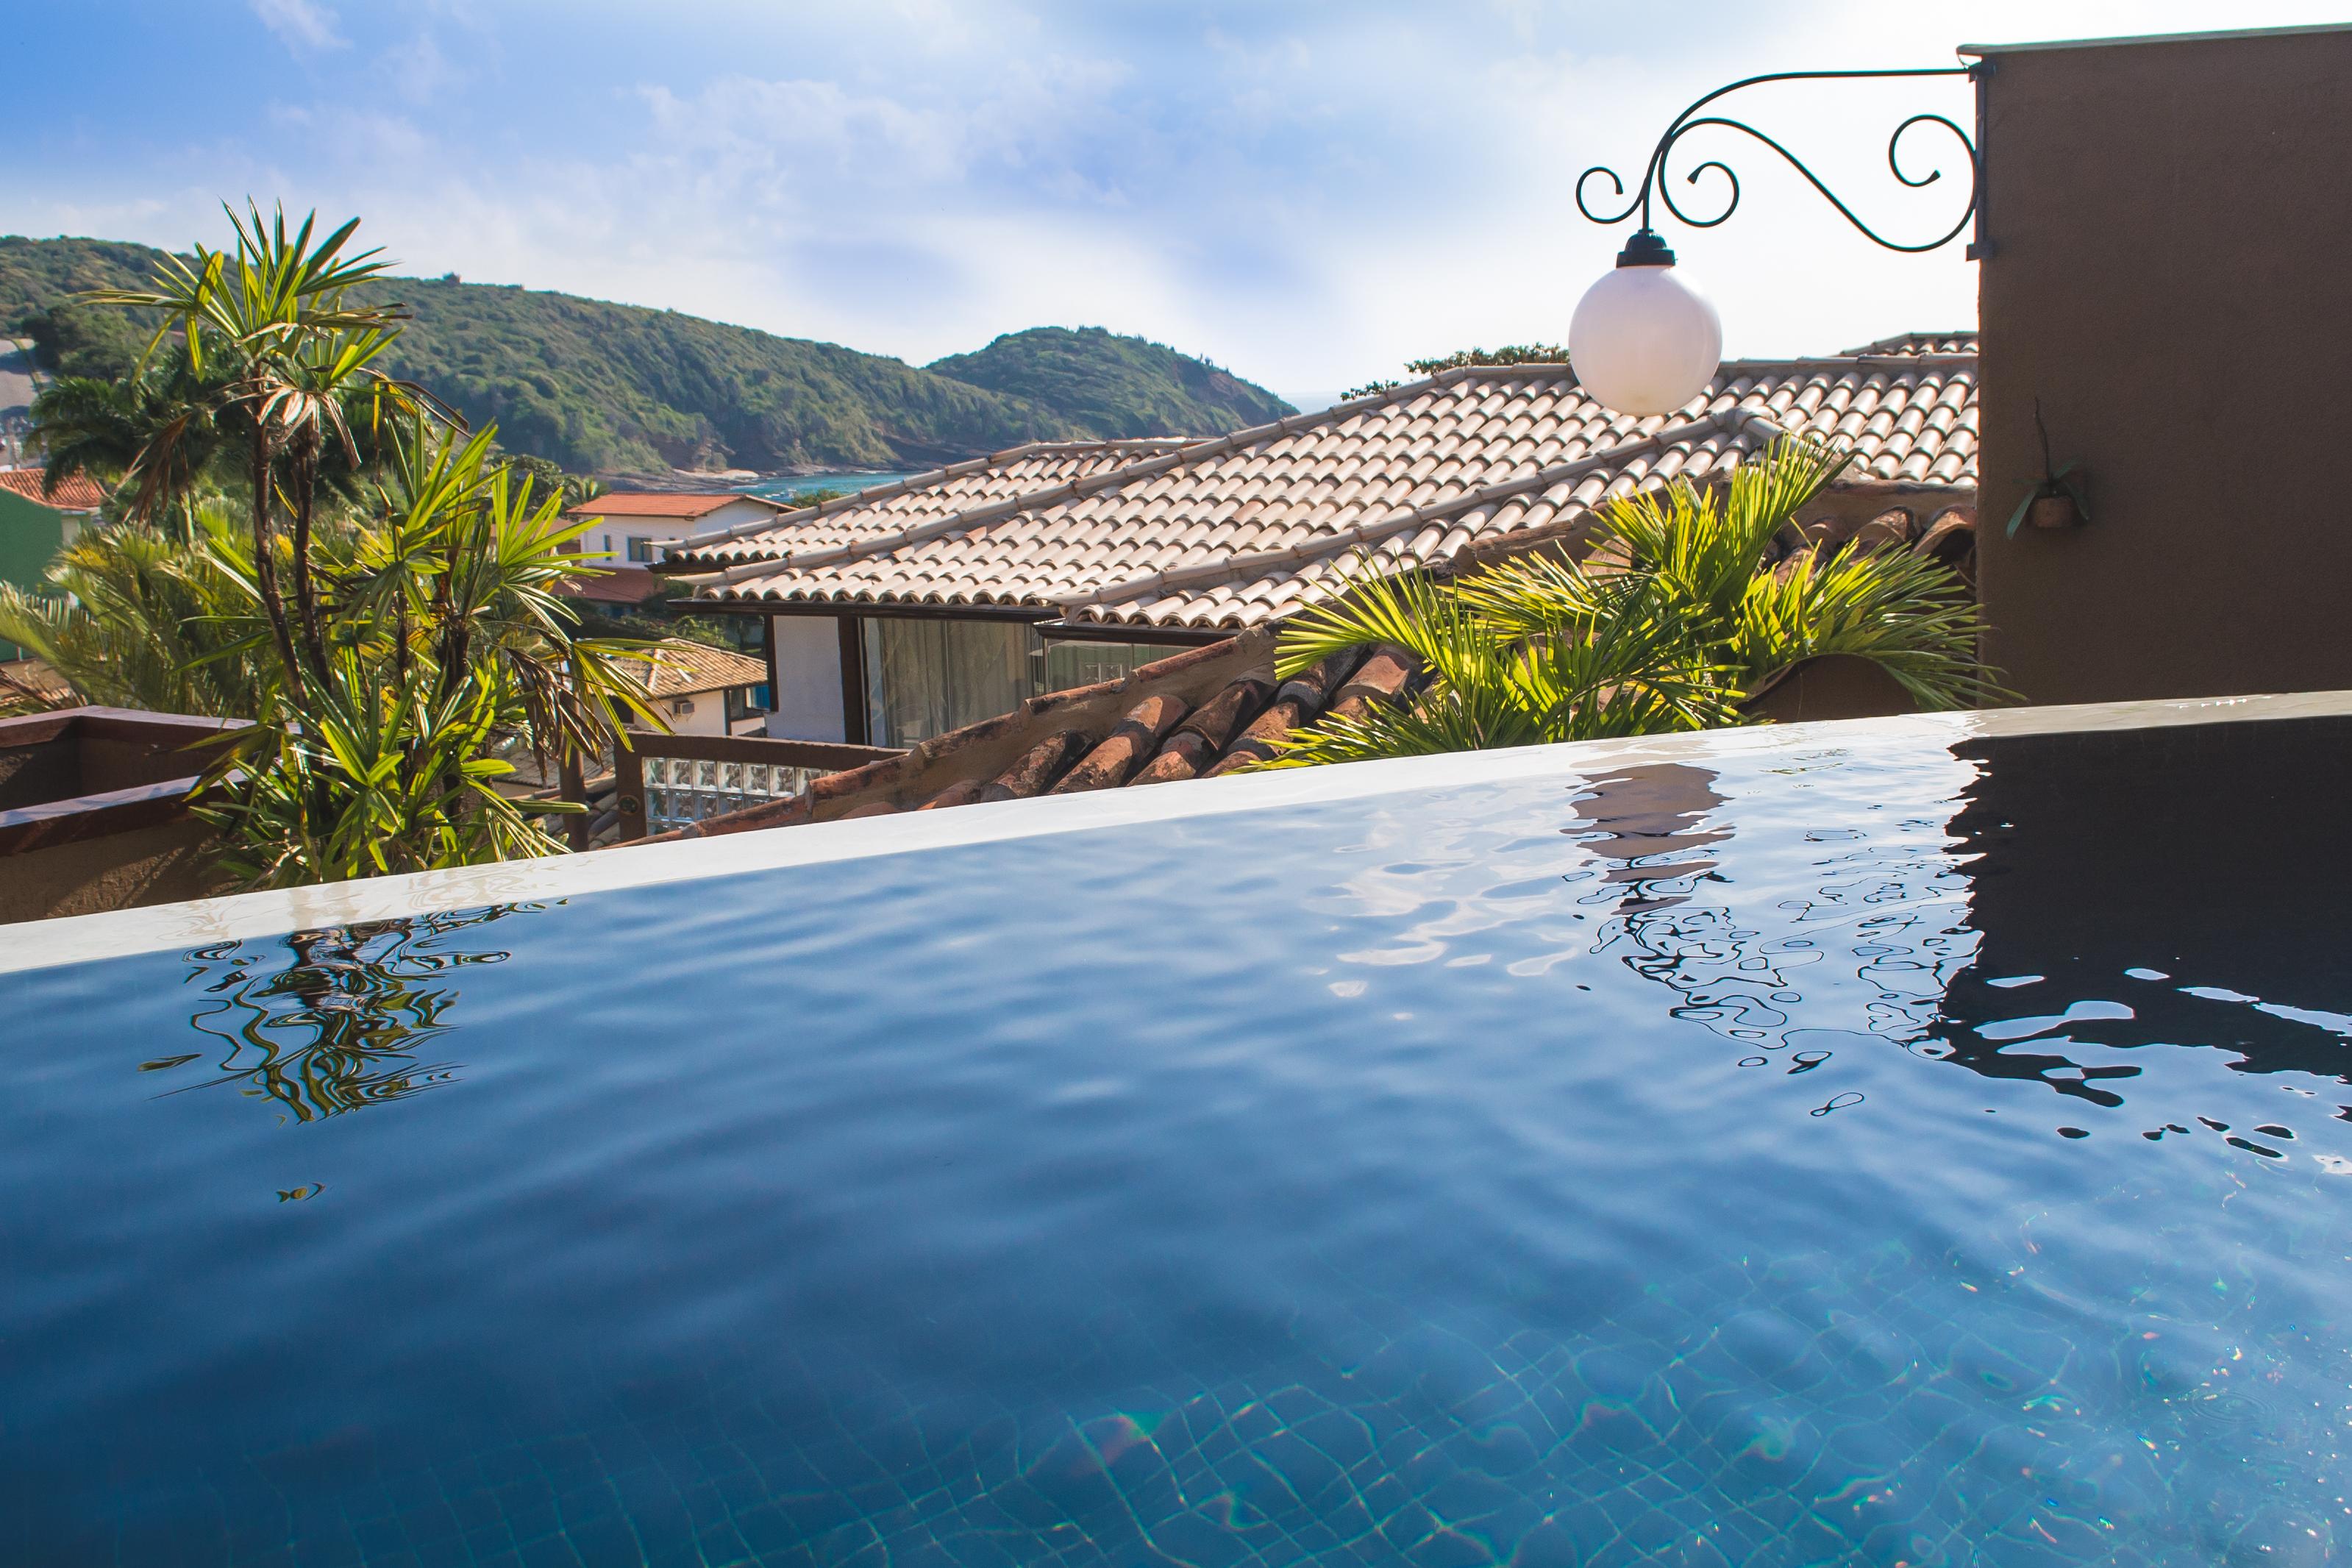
(2058, 500)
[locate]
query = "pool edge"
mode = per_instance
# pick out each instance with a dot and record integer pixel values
(83, 939)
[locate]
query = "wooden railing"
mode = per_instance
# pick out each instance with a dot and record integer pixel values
(668, 781)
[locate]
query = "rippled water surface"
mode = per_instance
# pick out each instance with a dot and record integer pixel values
(1886, 1155)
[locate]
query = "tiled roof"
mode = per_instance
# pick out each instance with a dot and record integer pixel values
(21, 678)
(627, 585)
(687, 668)
(1241, 530)
(1214, 710)
(1199, 714)
(962, 491)
(664, 505)
(1915, 343)
(76, 492)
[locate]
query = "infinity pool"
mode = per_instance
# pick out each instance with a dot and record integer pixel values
(1857, 1145)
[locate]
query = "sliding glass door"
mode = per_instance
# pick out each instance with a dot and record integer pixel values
(924, 677)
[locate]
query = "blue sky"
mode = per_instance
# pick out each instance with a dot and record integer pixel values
(1306, 194)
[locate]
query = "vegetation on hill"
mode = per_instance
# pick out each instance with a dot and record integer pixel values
(1116, 385)
(591, 386)
(1513, 353)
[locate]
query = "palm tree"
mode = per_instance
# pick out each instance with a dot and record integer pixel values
(288, 347)
(134, 620)
(159, 429)
(1675, 615)
(391, 595)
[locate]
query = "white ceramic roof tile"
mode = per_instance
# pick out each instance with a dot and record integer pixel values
(1909, 411)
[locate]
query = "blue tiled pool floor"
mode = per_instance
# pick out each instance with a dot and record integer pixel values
(1855, 1156)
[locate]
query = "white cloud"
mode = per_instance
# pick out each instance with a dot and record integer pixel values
(1309, 197)
(299, 23)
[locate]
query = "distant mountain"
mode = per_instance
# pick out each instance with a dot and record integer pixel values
(1114, 386)
(598, 386)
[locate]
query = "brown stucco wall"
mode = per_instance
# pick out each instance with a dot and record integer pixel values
(162, 864)
(2172, 224)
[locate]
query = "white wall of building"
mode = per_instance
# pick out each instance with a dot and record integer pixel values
(808, 678)
(697, 713)
(612, 536)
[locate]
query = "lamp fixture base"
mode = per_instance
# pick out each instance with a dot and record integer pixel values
(1646, 248)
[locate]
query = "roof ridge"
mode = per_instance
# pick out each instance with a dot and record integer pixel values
(794, 516)
(1071, 489)
(1881, 345)
(1327, 546)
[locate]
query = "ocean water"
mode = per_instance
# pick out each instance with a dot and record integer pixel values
(800, 485)
(1878, 1154)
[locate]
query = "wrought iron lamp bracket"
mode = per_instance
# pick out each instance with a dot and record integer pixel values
(1647, 247)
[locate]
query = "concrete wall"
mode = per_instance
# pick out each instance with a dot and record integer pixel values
(163, 864)
(2173, 225)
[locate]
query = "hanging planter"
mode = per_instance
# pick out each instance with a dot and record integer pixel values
(2057, 501)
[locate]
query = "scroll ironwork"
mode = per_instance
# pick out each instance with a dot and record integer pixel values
(1655, 183)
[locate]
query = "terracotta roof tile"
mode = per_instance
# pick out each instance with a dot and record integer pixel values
(1201, 713)
(687, 667)
(1241, 530)
(611, 586)
(666, 505)
(76, 492)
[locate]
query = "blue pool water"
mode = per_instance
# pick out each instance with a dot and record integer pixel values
(1875, 1154)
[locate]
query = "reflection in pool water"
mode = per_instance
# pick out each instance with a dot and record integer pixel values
(335, 1022)
(1821, 1154)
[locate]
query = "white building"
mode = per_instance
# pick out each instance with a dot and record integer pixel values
(703, 690)
(630, 526)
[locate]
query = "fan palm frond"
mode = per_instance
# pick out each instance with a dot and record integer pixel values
(1670, 619)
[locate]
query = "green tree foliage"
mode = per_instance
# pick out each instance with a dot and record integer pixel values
(1673, 619)
(162, 422)
(388, 650)
(133, 619)
(81, 340)
(1115, 386)
(592, 385)
(1515, 353)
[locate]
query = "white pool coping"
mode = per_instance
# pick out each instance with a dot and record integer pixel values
(81, 939)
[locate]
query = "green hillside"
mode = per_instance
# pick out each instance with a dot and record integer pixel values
(1116, 385)
(593, 385)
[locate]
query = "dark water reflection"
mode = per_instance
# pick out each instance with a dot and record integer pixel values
(1537, 1172)
(324, 1022)
(2174, 887)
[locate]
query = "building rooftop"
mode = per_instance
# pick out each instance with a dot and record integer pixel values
(685, 669)
(1239, 530)
(667, 506)
(77, 492)
(1219, 708)
(628, 586)
(1199, 713)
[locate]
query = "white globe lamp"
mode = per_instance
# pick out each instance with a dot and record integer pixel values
(1641, 341)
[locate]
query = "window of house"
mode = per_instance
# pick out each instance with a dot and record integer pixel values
(924, 677)
(641, 550)
(1067, 664)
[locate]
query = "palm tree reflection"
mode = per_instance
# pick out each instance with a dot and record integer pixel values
(347, 1022)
